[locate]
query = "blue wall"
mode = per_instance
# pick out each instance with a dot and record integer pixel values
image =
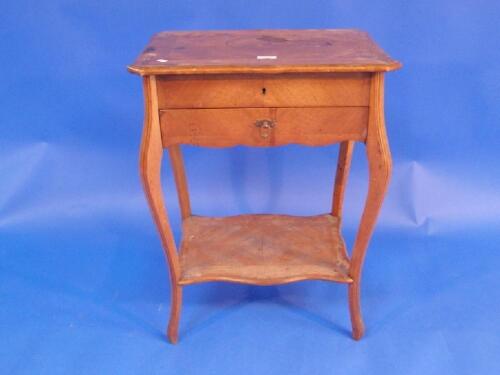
(83, 285)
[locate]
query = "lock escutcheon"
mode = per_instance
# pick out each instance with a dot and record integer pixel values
(265, 127)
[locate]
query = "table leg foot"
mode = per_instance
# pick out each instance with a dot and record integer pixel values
(358, 327)
(175, 312)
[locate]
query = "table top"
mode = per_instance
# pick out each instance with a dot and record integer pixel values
(262, 51)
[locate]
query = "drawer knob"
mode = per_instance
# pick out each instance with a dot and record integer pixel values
(265, 127)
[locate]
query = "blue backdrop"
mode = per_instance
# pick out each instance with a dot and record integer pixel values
(83, 283)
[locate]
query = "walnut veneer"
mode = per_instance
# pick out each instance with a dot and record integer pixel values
(264, 88)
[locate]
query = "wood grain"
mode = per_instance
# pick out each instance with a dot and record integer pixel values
(258, 90)
(151, 155)
(306, 51)
(230, 127)
(262, 249)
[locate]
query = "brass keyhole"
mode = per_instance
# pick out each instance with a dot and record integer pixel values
(263, 91)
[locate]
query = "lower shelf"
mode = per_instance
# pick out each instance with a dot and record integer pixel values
(262, 249)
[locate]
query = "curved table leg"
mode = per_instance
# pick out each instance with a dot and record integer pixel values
(380, 165)
(150, 169)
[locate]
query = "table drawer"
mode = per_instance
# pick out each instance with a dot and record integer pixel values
(263, 126)
(305, 90)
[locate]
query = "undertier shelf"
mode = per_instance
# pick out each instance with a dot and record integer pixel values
(263, 249)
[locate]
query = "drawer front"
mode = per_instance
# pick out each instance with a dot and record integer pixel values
(326, 90)
(263, 126)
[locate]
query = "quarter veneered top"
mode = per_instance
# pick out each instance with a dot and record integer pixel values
(262, 51)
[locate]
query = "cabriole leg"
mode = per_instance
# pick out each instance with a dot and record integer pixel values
(379, 167)
(150, 169)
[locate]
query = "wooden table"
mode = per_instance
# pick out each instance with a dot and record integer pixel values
(264, 88)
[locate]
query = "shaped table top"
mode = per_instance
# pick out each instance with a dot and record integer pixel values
(262, 51)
